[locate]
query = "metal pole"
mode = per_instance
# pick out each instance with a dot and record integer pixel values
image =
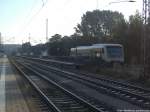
(97, 4)
(145, 16)
(29, 38)
(46, 29)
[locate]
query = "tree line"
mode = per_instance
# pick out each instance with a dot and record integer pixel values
(100, 27)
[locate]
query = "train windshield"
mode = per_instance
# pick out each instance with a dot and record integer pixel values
(114, 51)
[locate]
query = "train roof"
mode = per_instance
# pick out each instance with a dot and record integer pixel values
(106, 45)
(84, 47)
(94, 46)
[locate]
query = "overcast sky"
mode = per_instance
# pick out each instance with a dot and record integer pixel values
(20, 17)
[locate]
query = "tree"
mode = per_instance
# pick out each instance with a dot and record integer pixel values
(37, 49)
(26, 48)
(98, 25)
(134, 38)
(54, 45)
(55, 38)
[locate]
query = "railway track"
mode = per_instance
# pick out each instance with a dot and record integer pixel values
(33, 99)
(58, 98)
(113, 88)
(122, 85)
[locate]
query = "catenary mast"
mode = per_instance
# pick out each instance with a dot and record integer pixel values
(145, 16)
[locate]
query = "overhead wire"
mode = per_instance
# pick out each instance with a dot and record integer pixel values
(31, 19)
(44, 2)
(28, 14)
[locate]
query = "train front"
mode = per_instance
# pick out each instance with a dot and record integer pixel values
(114, 53)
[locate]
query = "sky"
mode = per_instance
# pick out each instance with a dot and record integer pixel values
(21, 19)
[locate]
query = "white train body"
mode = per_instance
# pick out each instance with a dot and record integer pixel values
(106, 52)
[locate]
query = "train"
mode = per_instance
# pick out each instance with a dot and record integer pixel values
(108, 53)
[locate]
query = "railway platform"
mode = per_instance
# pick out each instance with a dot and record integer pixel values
(11, 98)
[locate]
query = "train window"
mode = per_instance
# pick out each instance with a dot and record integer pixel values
(114, 51)
(102, 50)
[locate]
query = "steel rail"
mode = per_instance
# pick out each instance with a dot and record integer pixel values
(110, 87)
(43, 96)
(140, 89)
(93, 108)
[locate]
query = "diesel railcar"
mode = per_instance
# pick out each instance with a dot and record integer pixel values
(107, 52)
